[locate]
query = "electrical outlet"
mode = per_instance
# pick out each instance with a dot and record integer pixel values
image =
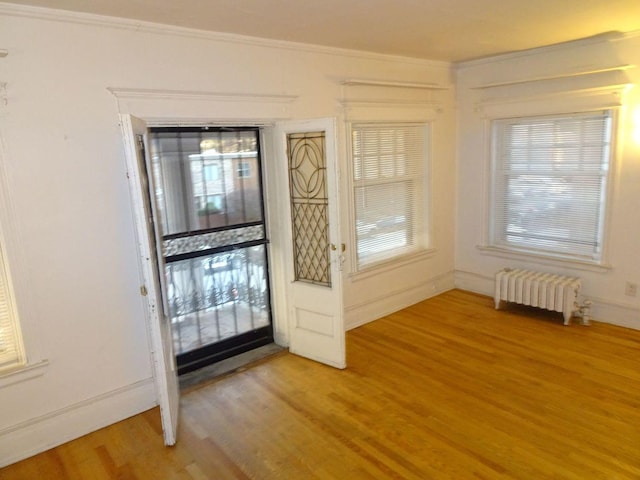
(631, 289)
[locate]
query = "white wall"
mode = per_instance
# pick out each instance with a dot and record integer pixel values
(70, 236)
(543, 81)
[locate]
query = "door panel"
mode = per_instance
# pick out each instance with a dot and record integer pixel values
(307, 157)
(208, 188)
(134, 132)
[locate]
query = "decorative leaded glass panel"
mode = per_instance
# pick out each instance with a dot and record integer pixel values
(207, 241)
(309, 207)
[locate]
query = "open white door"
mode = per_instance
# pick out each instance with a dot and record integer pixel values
(134, 132)
(306, 153)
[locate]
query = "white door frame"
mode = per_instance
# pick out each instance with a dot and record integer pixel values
(211, 108)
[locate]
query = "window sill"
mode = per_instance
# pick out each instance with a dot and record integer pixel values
(391, 264)
(22, 373)
(544, 258)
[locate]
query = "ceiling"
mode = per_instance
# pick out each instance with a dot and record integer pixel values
(450, 30)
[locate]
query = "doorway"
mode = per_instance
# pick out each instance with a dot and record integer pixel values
(207, 191)
(309, 317)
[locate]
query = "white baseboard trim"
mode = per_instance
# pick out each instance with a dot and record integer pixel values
(602, 310)
(473, 282)
(55, 428)
(615, 313)
(360, 314)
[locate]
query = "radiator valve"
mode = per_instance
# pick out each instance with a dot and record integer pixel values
(584, 312)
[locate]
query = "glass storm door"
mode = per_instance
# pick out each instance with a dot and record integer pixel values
(208, 191)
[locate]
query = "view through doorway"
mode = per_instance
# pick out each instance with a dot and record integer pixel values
(207, 191)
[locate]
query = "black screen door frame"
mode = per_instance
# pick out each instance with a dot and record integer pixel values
(215, 249)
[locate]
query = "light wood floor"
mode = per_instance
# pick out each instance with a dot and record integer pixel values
(446, 389)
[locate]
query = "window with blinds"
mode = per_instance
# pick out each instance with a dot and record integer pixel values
(389, 167)
(11, 353)
(550, 183)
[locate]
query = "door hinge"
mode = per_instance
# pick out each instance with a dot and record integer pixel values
(143, 290)
(333, 247)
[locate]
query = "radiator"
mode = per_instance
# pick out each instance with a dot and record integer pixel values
(543, 290)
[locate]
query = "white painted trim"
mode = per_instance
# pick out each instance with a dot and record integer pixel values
(386, 83)
(202, 108)
(276, 228)
(105, 21)
(554, 102)
(615, 313)
(22, 373)
(602, 310)
(391, 264)
(155, 94)
(543, 258)
(365, 312)
(575, 73)
(390, 111)
(55, 428)
(602, 38)
(474, 282)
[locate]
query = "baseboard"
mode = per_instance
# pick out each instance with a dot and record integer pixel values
(473, 282)
(55, 428)
(616, 313)
(360, 314)
(602, 310)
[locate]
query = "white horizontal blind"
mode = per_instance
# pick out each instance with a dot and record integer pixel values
(388, 179)
(10, 346)
(550, 182)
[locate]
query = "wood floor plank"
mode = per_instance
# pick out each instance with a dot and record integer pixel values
(448, 388)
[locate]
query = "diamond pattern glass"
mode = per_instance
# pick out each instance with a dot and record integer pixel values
(309, 204)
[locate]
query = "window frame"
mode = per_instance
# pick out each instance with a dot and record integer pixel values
(423, 238)
(243, 169)
(493, 244)
(18, 359)
(29, 363)
(33, 364)
(211, 172)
